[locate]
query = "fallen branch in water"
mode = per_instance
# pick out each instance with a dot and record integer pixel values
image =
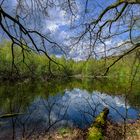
(10, 115)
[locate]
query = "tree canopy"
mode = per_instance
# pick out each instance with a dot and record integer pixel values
(100, 28)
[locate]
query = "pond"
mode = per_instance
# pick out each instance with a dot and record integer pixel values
(44, 106)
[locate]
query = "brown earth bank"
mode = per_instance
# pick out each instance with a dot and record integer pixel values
(113, 131)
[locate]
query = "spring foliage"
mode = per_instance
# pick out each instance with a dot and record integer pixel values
(32, 64)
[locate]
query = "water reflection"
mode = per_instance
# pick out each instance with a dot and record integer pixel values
(79, 107)
(45, 109)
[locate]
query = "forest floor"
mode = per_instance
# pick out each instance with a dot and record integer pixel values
(114, 131)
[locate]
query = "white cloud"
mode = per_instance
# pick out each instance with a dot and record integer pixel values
(52, 26)
(56, 19)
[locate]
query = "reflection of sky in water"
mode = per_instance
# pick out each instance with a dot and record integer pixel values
(74, 108)
(78, 107)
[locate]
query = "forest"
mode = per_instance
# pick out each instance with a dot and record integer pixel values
(38, 66)
(69, 70)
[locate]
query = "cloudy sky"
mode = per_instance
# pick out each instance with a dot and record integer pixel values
(61, 26)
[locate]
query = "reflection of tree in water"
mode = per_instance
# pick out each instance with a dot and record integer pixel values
(20, 99)
(47, 108)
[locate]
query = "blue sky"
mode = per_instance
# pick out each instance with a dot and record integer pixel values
(61, 26)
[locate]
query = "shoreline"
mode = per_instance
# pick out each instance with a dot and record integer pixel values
(113, 131)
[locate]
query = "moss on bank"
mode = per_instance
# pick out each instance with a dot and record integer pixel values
(96, 131)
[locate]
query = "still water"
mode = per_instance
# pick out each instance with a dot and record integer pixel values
(44, 106)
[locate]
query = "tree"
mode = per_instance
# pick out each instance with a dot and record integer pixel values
(116, 19)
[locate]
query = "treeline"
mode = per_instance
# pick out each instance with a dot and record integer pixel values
(29, 64)
(21, 95)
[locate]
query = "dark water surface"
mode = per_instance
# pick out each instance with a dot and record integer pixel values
(45, 106)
